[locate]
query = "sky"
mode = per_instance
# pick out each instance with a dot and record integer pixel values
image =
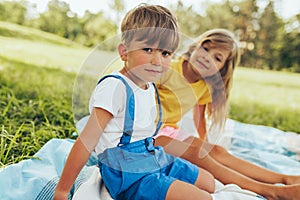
(285, 8)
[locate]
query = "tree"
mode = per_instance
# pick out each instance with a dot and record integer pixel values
(97, 28)
(219, 16)
(13, 11)
(118, 6)
(271, 28)
(55, 19)
(245, 25)
(289, 52)
(190, 22)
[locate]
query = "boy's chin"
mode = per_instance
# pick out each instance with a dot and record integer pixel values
(153, 78)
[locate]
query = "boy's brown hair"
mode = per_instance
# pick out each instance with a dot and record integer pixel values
(153, 24)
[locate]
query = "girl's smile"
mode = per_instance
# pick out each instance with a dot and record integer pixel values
(208, 59)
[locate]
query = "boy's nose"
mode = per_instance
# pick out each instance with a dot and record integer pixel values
(156, 58)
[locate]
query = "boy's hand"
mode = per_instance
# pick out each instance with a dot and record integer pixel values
(60, 195)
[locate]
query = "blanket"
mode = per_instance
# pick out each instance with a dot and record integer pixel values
(36, 178)
(263, 145)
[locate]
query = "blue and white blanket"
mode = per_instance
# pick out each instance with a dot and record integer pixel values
(265, 146)
(36, 178)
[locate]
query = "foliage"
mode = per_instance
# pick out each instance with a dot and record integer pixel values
(267, 41)
(89, 30)
(184, 16)
(289, 52)
(18, 15)
(97, 28)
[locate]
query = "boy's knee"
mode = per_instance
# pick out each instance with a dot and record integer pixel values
(205, 181)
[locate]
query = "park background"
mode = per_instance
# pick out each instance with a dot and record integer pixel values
(42, 51)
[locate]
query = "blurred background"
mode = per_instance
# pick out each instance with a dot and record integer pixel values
(44, 44)
(268, 29)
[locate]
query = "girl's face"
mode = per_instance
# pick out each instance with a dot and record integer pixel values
(208, 59)
(145, 63)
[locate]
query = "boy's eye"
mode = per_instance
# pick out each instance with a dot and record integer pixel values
(166, 53)
(147, 50)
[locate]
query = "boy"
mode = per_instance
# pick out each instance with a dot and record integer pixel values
(149, 37)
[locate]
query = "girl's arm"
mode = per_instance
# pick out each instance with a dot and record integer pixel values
(199, 120)
(81, 150)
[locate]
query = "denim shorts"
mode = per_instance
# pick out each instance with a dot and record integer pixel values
(156, 184)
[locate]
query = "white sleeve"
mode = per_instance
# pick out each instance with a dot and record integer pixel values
(109, 94)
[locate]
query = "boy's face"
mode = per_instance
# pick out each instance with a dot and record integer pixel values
(144, 62)
(208, 59)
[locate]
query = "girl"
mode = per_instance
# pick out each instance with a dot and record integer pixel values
(201, 79)
(194, 82)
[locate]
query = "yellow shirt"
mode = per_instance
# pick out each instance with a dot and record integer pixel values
(178, 96)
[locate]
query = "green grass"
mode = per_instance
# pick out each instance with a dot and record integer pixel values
(37, 76)
(16, 31)
(37, 72)
(43, 54)
(267, 98)
(35, 106)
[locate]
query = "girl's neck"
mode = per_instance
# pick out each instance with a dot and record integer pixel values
(134, 78)
(189, 72)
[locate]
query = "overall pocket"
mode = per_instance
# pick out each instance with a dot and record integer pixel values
(122, 166)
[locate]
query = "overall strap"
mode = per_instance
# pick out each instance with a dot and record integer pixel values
(129, 111)
(159, 123)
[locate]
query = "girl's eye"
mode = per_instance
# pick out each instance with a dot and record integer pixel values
(149, 50)
(205, 48)
(166, 53)
(218, 59)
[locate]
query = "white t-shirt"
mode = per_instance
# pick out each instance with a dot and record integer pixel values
(110, 94)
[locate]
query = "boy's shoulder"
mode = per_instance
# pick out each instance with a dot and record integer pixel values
(110, 81)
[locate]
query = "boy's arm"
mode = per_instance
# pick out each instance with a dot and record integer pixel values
(76, 160)
(81, 150)
(200, 121)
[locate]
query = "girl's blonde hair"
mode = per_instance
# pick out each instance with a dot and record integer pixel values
(220, 83)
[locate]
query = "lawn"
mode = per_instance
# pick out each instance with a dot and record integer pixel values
(267, 98)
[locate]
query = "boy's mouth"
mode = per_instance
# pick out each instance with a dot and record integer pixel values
(153, 71)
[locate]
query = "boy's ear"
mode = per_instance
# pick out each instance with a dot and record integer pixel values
(122, 52)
